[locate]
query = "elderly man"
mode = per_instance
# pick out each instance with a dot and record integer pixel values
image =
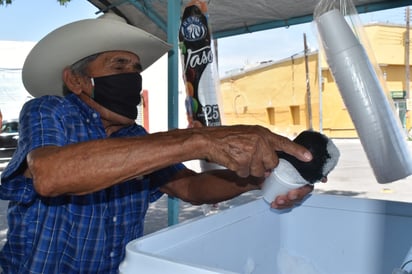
(84, 173)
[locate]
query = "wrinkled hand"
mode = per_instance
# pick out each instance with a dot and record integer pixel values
(249, 150)
(292, 197)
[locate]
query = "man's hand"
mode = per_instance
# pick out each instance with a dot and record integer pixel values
(292, 197)
(249, 150)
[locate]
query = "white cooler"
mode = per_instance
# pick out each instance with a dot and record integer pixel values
(326, 234)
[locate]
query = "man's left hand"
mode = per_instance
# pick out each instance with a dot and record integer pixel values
(292, 197)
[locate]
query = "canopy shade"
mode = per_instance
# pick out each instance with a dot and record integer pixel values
(230, 17)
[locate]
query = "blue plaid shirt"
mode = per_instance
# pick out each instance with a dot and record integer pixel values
(70, 234)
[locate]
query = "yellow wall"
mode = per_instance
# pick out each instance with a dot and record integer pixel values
(336, 120)
(387, 43)
(282, 86)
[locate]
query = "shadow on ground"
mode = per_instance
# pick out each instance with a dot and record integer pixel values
(340, 192)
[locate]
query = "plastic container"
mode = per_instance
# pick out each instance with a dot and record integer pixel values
(326, 234)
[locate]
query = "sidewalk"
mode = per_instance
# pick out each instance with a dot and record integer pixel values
(353, 176)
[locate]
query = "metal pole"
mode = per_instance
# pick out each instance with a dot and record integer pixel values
(173, 19)
(320, 81)
(308, 95)
(407, 46)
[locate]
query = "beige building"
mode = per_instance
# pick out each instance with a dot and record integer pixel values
(276, 94)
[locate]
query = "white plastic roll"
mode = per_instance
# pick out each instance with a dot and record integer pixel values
(378, 129)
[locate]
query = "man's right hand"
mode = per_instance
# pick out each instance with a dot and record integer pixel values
(249, 150)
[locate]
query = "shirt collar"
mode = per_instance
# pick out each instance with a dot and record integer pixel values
(84, 108)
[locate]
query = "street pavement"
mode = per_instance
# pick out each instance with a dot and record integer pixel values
(352, 176)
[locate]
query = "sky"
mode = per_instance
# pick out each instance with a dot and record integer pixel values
(29, 20)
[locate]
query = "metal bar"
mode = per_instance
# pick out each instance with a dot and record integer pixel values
(307, 18)
(383, 5)
(263, 26)
(110, 6)
(149, 12)
(173, 18)
(308, 91)
(407, 51)
(320, 81)
(143, 8)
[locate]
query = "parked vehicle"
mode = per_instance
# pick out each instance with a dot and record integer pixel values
(9, 135)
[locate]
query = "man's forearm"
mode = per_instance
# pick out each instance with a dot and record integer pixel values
(211, 186)
(90, 166)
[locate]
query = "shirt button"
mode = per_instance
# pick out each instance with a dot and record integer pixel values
(111, 254)
(94, 115)
(114, 219)
(87, 120)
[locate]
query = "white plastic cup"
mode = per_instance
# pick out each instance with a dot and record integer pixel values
(283, 179)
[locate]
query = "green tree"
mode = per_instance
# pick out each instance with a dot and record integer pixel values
(7, 2)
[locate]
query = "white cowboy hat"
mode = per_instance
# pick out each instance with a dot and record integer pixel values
(42, 69)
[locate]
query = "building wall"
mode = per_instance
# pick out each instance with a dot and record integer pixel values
(248, 96)
(12, 92)
(336, 120)
(387, 43)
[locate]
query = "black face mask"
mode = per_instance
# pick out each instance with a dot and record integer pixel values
(119, 93)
